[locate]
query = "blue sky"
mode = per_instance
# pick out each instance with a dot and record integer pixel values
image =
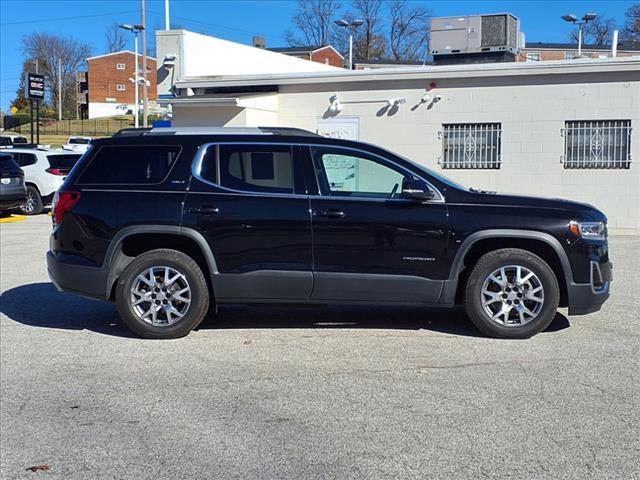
(239, 20)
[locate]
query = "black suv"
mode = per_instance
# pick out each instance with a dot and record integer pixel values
(166, 222)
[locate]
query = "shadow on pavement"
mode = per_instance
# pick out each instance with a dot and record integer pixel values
(41, 305)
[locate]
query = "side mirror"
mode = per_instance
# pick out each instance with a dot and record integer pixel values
(417, 190)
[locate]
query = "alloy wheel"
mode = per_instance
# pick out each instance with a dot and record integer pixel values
(160, 296)
(512, 296)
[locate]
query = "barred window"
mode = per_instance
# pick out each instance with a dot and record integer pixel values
(597, 144)
(471, 145)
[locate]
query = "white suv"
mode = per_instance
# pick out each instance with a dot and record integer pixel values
(44, 172)
(77, 144)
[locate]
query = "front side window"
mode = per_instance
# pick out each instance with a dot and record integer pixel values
(597, 144)
(254, 168)
(130, 164)
(471, 145)
(343, 173)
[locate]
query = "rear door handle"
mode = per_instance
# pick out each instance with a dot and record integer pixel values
(204, 210)
(330, 213)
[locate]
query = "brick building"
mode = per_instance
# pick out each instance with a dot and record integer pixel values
(107, 88)
(534, 52)
(324, 54)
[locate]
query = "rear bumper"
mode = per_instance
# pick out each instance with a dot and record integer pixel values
(79, 279)
(12, 198)
(589, 297)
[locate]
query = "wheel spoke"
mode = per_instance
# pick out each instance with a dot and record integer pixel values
(493, 298)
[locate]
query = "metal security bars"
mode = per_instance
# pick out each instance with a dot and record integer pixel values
(471, 145)
(597, 144)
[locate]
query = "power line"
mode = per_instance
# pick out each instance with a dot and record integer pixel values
(221, 27)
(66, 18)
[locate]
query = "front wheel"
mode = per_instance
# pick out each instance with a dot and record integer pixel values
(162, 294)
(511, 293)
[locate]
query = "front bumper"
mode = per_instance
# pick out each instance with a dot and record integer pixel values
(79, 279)
(589, 297)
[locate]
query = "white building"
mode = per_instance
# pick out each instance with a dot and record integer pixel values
(559, 128)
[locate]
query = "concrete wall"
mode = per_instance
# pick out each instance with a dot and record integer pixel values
(532, 110)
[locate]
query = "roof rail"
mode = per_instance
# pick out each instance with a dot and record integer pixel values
(131, 132)
(138, 132)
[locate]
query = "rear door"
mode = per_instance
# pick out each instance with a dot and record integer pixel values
(250, 202)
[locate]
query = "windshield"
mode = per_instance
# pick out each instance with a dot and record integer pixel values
(441, 178)
(79, 140)
(20, 140)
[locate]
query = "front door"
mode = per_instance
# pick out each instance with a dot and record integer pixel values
(369, 243)
(250, 203)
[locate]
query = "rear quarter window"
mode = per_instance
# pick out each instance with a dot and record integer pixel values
(121, 164)
(63, 162)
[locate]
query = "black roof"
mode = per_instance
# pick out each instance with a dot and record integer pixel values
(302, 49)
(389, 61)
(622, 45)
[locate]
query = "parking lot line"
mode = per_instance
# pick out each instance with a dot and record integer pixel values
(13, 218)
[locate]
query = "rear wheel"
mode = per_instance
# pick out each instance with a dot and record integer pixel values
(162, 294)
(511, 293)
(33, 205)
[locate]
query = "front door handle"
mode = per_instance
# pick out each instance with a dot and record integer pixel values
(204, 210)
(329, 213)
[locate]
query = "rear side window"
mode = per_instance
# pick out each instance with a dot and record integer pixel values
(130, 164)
(254, 168)
(63, 162)
(26, 159)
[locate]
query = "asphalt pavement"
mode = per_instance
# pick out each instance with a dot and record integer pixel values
(311, 393)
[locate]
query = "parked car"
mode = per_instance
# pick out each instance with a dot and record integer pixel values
(7, 141)
(12, 190)
(77, 144)
(44, 172)
(166, 222)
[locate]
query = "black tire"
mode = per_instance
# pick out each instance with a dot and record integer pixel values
(184, 264)
(493, 261)
(34, 208)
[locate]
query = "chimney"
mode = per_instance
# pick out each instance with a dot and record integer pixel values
(259, 42)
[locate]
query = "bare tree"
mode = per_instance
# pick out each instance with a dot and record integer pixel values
(596, 32)
(408, 31)
(369, 42)
(49, 49)
(115, 38)
(313, 22)
(631, 29)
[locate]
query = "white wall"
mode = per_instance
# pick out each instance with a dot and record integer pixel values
(97, 110)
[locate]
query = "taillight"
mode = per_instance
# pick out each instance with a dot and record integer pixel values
(57, 171)
(62, 203)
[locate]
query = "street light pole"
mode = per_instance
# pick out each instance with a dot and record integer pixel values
(571, 18)
(145, 94)
(354, 24)
(135, 29)
(136, 83)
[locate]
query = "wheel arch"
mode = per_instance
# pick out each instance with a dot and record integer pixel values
(135, 240)
(542, 244)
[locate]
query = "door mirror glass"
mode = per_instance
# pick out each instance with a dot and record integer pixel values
(415, 189)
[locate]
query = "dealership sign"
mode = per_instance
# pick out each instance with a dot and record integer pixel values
(35, 86)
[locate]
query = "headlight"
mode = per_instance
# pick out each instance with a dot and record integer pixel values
(589, 230)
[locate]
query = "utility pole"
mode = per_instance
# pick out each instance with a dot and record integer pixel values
(145, 94)
(59, 89)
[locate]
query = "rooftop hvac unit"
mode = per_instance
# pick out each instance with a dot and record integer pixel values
(475, 34)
